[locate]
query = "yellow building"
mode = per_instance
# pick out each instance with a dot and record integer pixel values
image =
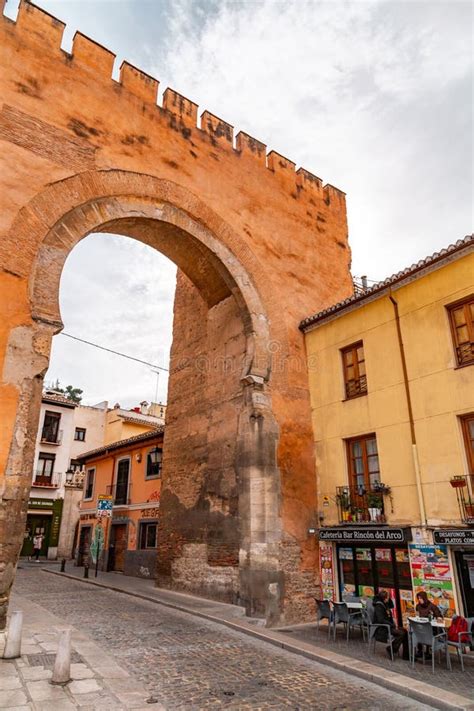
(121, 424)
(392, 392)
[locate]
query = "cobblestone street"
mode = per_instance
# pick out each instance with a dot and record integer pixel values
(189, 663)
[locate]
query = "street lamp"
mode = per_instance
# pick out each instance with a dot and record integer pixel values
(69, 475)
(156, 457)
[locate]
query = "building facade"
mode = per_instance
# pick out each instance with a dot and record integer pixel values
(129, 473)
(122, 423)
(392, 391)
(65, 429)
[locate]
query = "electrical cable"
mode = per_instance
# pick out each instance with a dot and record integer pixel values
(110, 350)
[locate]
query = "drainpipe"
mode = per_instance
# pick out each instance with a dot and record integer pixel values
(414, 448)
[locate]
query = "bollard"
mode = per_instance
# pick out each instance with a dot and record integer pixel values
(13, 643)
(86, 571)
(63, 565)
(62, 663)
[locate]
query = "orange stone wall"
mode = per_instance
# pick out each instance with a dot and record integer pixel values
(261, 245)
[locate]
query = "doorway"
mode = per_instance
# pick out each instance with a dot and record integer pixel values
(35, 525)
(465, 567)
(117, 547)
(84, 545)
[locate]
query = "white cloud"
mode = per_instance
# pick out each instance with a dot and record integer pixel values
(374, 97)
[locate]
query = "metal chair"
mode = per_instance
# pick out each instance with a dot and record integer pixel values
(372, 627)
(460, 646)
(349, 619)
(422, 633)
(323, 612)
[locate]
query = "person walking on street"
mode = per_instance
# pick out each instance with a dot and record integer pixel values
(37, 545)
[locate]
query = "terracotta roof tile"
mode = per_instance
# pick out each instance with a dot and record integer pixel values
(466, 244)
(143, 437)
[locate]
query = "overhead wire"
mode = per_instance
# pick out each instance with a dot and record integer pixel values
(111, 350)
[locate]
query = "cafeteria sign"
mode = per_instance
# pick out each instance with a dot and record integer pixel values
(367, 535)
(104, 506)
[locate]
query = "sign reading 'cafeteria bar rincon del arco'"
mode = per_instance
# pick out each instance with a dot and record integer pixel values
(367, 535)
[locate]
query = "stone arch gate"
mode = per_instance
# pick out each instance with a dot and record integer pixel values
(258, 245)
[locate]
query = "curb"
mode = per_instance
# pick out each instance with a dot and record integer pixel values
(403, 685)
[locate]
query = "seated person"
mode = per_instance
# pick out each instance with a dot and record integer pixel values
(425, 608)
(383, 616)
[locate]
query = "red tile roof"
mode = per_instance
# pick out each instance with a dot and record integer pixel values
(121, 443)
(454, 251)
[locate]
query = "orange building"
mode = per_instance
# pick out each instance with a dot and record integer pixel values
(128, 471)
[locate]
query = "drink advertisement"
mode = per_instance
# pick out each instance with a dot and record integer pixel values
(431, 572)
(326, 570)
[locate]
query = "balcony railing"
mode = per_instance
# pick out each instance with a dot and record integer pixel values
(360, 506)
(121, 493)
(49, 436)
(465, 353)
(464, 486)
(355, 387)
(53, 481)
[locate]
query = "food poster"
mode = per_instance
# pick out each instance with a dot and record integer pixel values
(326, 569)
(431, 572)
(407, 605)
(366, 591)
(346, 558)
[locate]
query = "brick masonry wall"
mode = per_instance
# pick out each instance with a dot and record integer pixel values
(263, 245)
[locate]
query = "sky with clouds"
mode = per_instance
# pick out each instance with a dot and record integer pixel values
(373, 97)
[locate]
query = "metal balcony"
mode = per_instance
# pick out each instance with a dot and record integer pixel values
(53, 481)
(121, 493)
(49, 436)
(464, 486)
(357, 506)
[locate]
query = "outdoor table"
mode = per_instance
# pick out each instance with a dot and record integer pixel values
(354, 605)
(434, 623)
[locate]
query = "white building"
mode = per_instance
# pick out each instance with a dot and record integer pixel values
(65, 431)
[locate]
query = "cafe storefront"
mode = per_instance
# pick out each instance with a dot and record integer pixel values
(460, 544)
(360, 561)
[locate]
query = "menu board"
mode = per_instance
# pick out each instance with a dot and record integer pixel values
(326, 569)
(407, 605)
(431, 572)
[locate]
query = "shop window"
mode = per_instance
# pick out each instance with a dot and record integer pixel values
(153, 463)
(149, 534)
(80, 434)
(467, 423)
(461, 317)
(355, 379)
(50, 431)
(89, 485)
(363, 461)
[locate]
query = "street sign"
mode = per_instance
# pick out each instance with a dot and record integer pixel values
(104, 506)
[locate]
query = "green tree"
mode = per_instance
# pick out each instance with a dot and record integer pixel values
(70, 392)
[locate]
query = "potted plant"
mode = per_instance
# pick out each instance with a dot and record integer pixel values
(344, 502)
(374, 501)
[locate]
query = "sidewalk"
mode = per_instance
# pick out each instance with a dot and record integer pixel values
(444, 689)
(98, 681)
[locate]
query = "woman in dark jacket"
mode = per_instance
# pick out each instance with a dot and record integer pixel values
(383, 616)
(425, 608)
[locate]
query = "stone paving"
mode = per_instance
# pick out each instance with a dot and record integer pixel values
(454, 680)
(185, 663)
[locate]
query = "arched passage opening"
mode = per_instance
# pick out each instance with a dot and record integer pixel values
(221, 488)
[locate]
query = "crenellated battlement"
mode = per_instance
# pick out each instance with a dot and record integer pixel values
(37, 25)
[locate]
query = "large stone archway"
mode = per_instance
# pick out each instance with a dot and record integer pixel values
(259, 246)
